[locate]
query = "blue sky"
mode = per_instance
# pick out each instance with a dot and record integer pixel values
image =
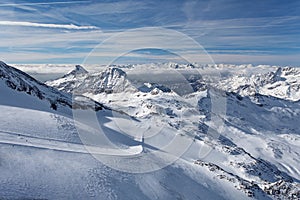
(231, 31)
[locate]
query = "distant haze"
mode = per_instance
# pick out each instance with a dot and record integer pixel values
(45, 76)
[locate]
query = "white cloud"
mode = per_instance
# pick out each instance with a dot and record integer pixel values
(257, 59)
(44, 68)
(29, 57)
(41, 3)
(48, 38)
(32, 24)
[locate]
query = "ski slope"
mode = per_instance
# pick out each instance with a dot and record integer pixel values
(53, 152)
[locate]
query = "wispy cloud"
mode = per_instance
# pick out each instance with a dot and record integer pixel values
(282, 60)
(65, 30)
(33, 24)
(41, 3)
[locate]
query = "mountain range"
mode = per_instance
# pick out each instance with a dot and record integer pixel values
(254, 153)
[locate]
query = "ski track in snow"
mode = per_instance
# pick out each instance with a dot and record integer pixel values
(51, 144)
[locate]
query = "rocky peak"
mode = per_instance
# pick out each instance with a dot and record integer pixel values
(78, 70)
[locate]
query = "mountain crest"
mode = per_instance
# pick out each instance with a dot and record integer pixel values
(15, 84)
(111, 80)
(113, 72)
(78, 70)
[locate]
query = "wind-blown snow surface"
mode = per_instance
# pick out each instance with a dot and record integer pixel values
(256, 155)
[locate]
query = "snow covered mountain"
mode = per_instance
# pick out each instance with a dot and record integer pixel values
(255, 156)
(22, 90)
(257, 151)
(284, 83)
(78, 70)
(19, 88)
(110, 80)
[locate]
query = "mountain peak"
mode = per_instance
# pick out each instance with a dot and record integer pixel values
(114, 72)
(110, 80)
(78, 70)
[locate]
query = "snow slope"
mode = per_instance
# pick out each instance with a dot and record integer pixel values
(252, 153)
(256, 155)
(284, 83)
(21, 90)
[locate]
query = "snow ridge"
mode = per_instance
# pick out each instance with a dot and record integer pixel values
(21, 82)
(111, 80)
(78, 70)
